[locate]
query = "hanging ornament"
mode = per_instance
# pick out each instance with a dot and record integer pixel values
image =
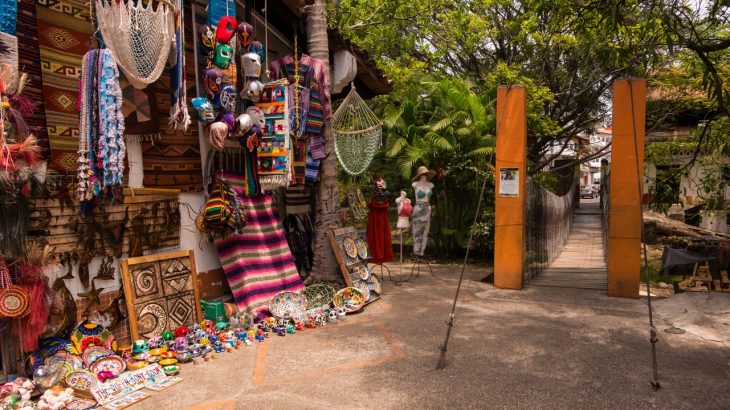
(226, 29)
(139, 35)
(245, 34)
(223, 56)
(203, 110)
(251, 63)
(357, 132)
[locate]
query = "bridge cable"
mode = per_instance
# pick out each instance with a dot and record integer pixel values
(450, 322)
(653, 338)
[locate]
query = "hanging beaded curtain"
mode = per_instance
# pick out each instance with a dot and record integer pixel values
(139, 36)
(358, 133)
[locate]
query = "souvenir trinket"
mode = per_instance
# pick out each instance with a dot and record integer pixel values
(218, 348)
(351, 298)
(136, 364)
(126, 352)
(252, 90)
(223, 56)
(299, 325)
(226, 29)
(280, 330)
(171, 370)
(141, 356)
(184, 357)
(291, 329)
(350, 248)
(258, 48)
(204, 111)
(194, 328)
(244, 123)
(311, 323)
(251, 63)
(167, 362)
(94, 353)
(105, 375)
(213, 80)
(208, 325)
(257, 115)
(113, 364)
(332, 315)
(169, 354)
(181, 343)
(181, 331)
(244, 34)
(362, 248)
(81, 380)
(226, 97)
(155, 342)
(168, 335)
(207, 34)
(221, 326)
(158, 351)
(341, 312)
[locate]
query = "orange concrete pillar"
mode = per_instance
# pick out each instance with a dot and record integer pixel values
(509, 207)
(624, 234)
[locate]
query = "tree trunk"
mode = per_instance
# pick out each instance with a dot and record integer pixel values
(327, 210)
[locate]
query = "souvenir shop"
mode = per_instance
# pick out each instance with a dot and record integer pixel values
(157, 178)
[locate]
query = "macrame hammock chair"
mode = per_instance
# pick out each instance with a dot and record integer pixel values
(358, 133)
(138, 35)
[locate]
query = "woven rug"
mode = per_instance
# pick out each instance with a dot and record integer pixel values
(258, 263)
(30, 62)
(274, 149)
(64, 31)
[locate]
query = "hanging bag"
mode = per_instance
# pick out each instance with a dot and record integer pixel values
(14, 300)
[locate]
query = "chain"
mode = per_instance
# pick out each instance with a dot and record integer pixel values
(296, 88)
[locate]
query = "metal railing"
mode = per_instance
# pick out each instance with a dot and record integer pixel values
(549, 219)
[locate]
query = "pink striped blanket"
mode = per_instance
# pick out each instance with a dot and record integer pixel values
(257, 262)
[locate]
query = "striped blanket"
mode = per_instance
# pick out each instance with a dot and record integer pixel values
(258, 263)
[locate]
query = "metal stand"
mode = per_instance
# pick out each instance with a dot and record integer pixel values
(382, 276)
(417, 267)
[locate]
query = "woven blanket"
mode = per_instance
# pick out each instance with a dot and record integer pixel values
(138, 108)
(9, 56)
(274, 150)
(63, 33)
(258, 263)
(8, 16)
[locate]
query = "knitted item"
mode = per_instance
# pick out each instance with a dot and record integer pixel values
(179, 117)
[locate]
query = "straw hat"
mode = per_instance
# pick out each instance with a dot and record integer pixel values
(424, 171)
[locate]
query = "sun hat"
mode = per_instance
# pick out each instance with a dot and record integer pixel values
(424, 171)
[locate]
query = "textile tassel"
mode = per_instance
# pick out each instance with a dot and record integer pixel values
(29, 328)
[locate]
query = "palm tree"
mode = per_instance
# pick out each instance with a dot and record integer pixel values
(327, 209)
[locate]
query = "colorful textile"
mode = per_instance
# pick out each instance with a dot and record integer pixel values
(9, 56)
(8, 16)
(379, 240)
(29, 59)
(64, 30)
(298, 200)
(257, 262)
(312, 168)
(273, 154)
(299, 162)
(112, 149)
(140, 124)
(421, 222)
(179, 117)
(218, 9)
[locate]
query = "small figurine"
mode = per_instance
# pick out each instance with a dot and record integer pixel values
(181, 343)
(299, 325)
(280, 330)
(167, 336)
(341, 312)
(181, 331)
(260, 336)
(311, 322)
(291, 329)
(208, 325)
(332, 314)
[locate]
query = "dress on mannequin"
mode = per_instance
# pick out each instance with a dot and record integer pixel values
(421, 218)
(379, 240)
(405, 209)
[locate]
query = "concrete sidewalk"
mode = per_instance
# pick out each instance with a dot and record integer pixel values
(538, 348)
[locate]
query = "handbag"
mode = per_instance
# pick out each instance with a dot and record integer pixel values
(223, 211)
(14, 300)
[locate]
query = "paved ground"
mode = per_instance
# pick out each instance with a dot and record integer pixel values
(581, 263)
(538, 348)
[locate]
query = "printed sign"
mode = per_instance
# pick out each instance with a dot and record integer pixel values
(127, 383)
(509, 182)
(164, 383)
(127, 401)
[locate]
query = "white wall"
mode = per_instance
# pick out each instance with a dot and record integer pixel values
(206, 256)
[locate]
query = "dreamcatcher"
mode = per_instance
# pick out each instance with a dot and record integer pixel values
(357, 132)
(138, 35)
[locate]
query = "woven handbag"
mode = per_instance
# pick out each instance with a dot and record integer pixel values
(14, 300)
(218, 208)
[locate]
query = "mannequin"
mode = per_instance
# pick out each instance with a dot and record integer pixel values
(405, 209)
(379, 240)
(422, 211)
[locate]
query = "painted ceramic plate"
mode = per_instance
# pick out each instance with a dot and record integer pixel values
(363, 287)
(374, 284)
(362, 248)
(81, 404)
(81, 380)
(288, 305)
(69, 361)
(113, 364)
(363, 272)
(350, 248)
(352, 299)
(94, 353)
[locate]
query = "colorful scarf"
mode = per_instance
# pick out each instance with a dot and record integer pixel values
(179, 117)
(101, 128)
(273, 155)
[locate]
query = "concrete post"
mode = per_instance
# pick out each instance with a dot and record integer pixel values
(509, 208)
(624, 234)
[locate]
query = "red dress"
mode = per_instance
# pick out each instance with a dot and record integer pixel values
(379, 242)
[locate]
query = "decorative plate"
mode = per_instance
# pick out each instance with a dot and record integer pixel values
(113, 364)
(81, 404)
(362, 248)
(374, 284)
(14, 301)
(352, 299)
(363, 287)
(90, 334)
(350, 248)
(363, 272)
(81, 380)
(94, 353)
(318, 295)
(288, 305)
(69, 361)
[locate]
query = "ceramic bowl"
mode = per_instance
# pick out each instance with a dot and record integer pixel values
(184, 357)
(153, 359)
(167, 362)
(141, 356)
(171, 370)
(158, 351)
(168, 355)
(136, 365)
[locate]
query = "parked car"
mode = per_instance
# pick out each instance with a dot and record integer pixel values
(588, 192)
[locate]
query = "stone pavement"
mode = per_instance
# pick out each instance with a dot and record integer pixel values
(538, 348)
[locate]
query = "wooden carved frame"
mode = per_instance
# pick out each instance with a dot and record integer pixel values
(128, 264)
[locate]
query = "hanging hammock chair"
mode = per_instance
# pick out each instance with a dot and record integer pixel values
(138, 35)
(357, 132)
